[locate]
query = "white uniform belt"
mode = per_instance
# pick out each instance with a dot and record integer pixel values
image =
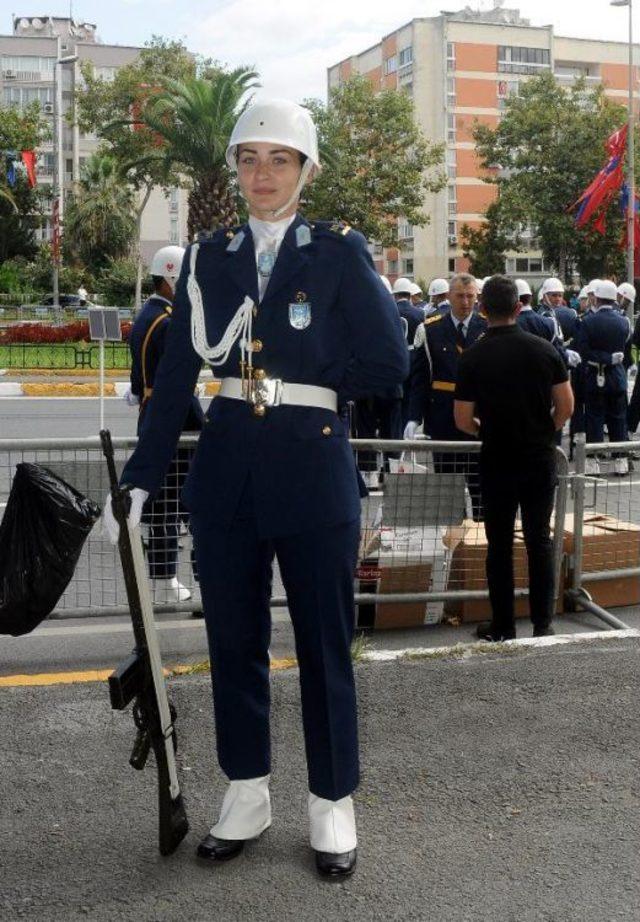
(273, 392)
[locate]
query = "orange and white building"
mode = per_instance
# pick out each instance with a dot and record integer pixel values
(459, 68)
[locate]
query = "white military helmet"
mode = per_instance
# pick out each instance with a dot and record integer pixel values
(584, 293)
(591, 286)
(402, 286)
(524, 288)
(167, 262)
(552, 286)
(626, 290)
(606, 290)
(275, 121)
(415, 289)
(385, 281)
(438, 287)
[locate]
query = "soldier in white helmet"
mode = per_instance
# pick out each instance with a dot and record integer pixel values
(438, 296)
(626, 298)
(147, 343)
(296, 322)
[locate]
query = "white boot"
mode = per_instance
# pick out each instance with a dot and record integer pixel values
(591, 467)
(245, 811)
(171, 590)
(621, 467)
(333, 825)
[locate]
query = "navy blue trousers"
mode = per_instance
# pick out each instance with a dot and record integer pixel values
(163, 515)
(605, 408)
(317, 567)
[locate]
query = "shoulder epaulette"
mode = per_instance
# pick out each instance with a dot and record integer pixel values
(433, 319)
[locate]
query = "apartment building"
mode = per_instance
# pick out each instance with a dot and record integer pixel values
(27, 61)
(459, 68)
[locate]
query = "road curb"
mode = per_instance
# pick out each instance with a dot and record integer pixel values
(82, 389)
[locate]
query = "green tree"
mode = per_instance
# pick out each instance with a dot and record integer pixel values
(547, 148)
(113, 108)
(378, 165)
(99, 219)
(485, 247)
(20, 206)
(194, 119)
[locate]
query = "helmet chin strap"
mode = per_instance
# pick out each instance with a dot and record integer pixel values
(304, 175)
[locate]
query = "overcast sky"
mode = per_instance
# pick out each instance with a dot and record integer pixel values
(292, 42)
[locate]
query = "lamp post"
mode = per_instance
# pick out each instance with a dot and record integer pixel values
(630, 157)
(58, 185)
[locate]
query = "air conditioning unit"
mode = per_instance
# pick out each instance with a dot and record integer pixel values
(47, 108)
(9, 74)
(453, 240)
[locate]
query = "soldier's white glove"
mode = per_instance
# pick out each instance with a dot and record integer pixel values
(410, 430)
(138, 498)
(573, 358)
(130, 398)
(617, 358)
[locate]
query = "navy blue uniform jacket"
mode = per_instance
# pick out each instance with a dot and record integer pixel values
(599, 335)
(434, 372)
(298, 458)
(146, 343)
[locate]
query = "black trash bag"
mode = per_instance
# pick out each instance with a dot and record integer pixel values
(42, 532)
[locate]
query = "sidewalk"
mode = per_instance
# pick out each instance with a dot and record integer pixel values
(499, 787)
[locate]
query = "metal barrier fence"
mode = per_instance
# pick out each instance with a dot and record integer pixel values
(603, 563)
(422, 547)
(63, 355)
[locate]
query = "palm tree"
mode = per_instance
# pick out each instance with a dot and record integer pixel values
(194, 118)
(100, 220)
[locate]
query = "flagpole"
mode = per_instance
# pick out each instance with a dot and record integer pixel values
(631, 174)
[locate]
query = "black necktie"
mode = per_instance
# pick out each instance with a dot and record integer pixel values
(460, 337)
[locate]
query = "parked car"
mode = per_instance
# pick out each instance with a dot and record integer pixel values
(67, 301)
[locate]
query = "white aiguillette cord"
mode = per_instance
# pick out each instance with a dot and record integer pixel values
(239, 326)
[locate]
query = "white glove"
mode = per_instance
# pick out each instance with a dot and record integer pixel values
(573, 358)
(130, 398)
(410, 430)
(138, 498)
(617, 358)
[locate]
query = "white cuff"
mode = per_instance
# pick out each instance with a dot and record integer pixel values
(245, 811)
(332, 825)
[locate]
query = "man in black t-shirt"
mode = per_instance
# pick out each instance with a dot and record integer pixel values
(513, 391)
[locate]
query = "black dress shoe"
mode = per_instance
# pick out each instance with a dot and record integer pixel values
(336, 866)
(487, 630)
(214, 849)
(543, 630)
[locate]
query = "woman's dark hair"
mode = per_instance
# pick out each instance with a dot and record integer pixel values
(499, 296)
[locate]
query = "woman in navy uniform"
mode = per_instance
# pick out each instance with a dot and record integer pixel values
(296, 322)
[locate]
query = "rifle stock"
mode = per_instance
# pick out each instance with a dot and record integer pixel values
(140, 677)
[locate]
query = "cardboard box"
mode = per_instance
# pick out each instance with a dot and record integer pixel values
(607, 544)
(468, 571)
(404, 561)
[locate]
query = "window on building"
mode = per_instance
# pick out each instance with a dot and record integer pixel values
(452, 265)
(451, 56)
(393, 266)
(515, 60)
(391, 64)
(451, 163)
(407, 87)
(451, 128)
(105, 73)
(405, 57)
(451, 91)
(407, 266)
(405, 230)
(522, 264)
(451, 229)
(27, 66)
(174, 236)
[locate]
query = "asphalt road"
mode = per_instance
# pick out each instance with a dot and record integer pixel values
(495, 788)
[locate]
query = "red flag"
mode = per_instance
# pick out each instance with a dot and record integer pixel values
(617, 142)
(29, 160)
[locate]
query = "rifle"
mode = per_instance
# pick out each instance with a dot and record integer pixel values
(141, 676)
